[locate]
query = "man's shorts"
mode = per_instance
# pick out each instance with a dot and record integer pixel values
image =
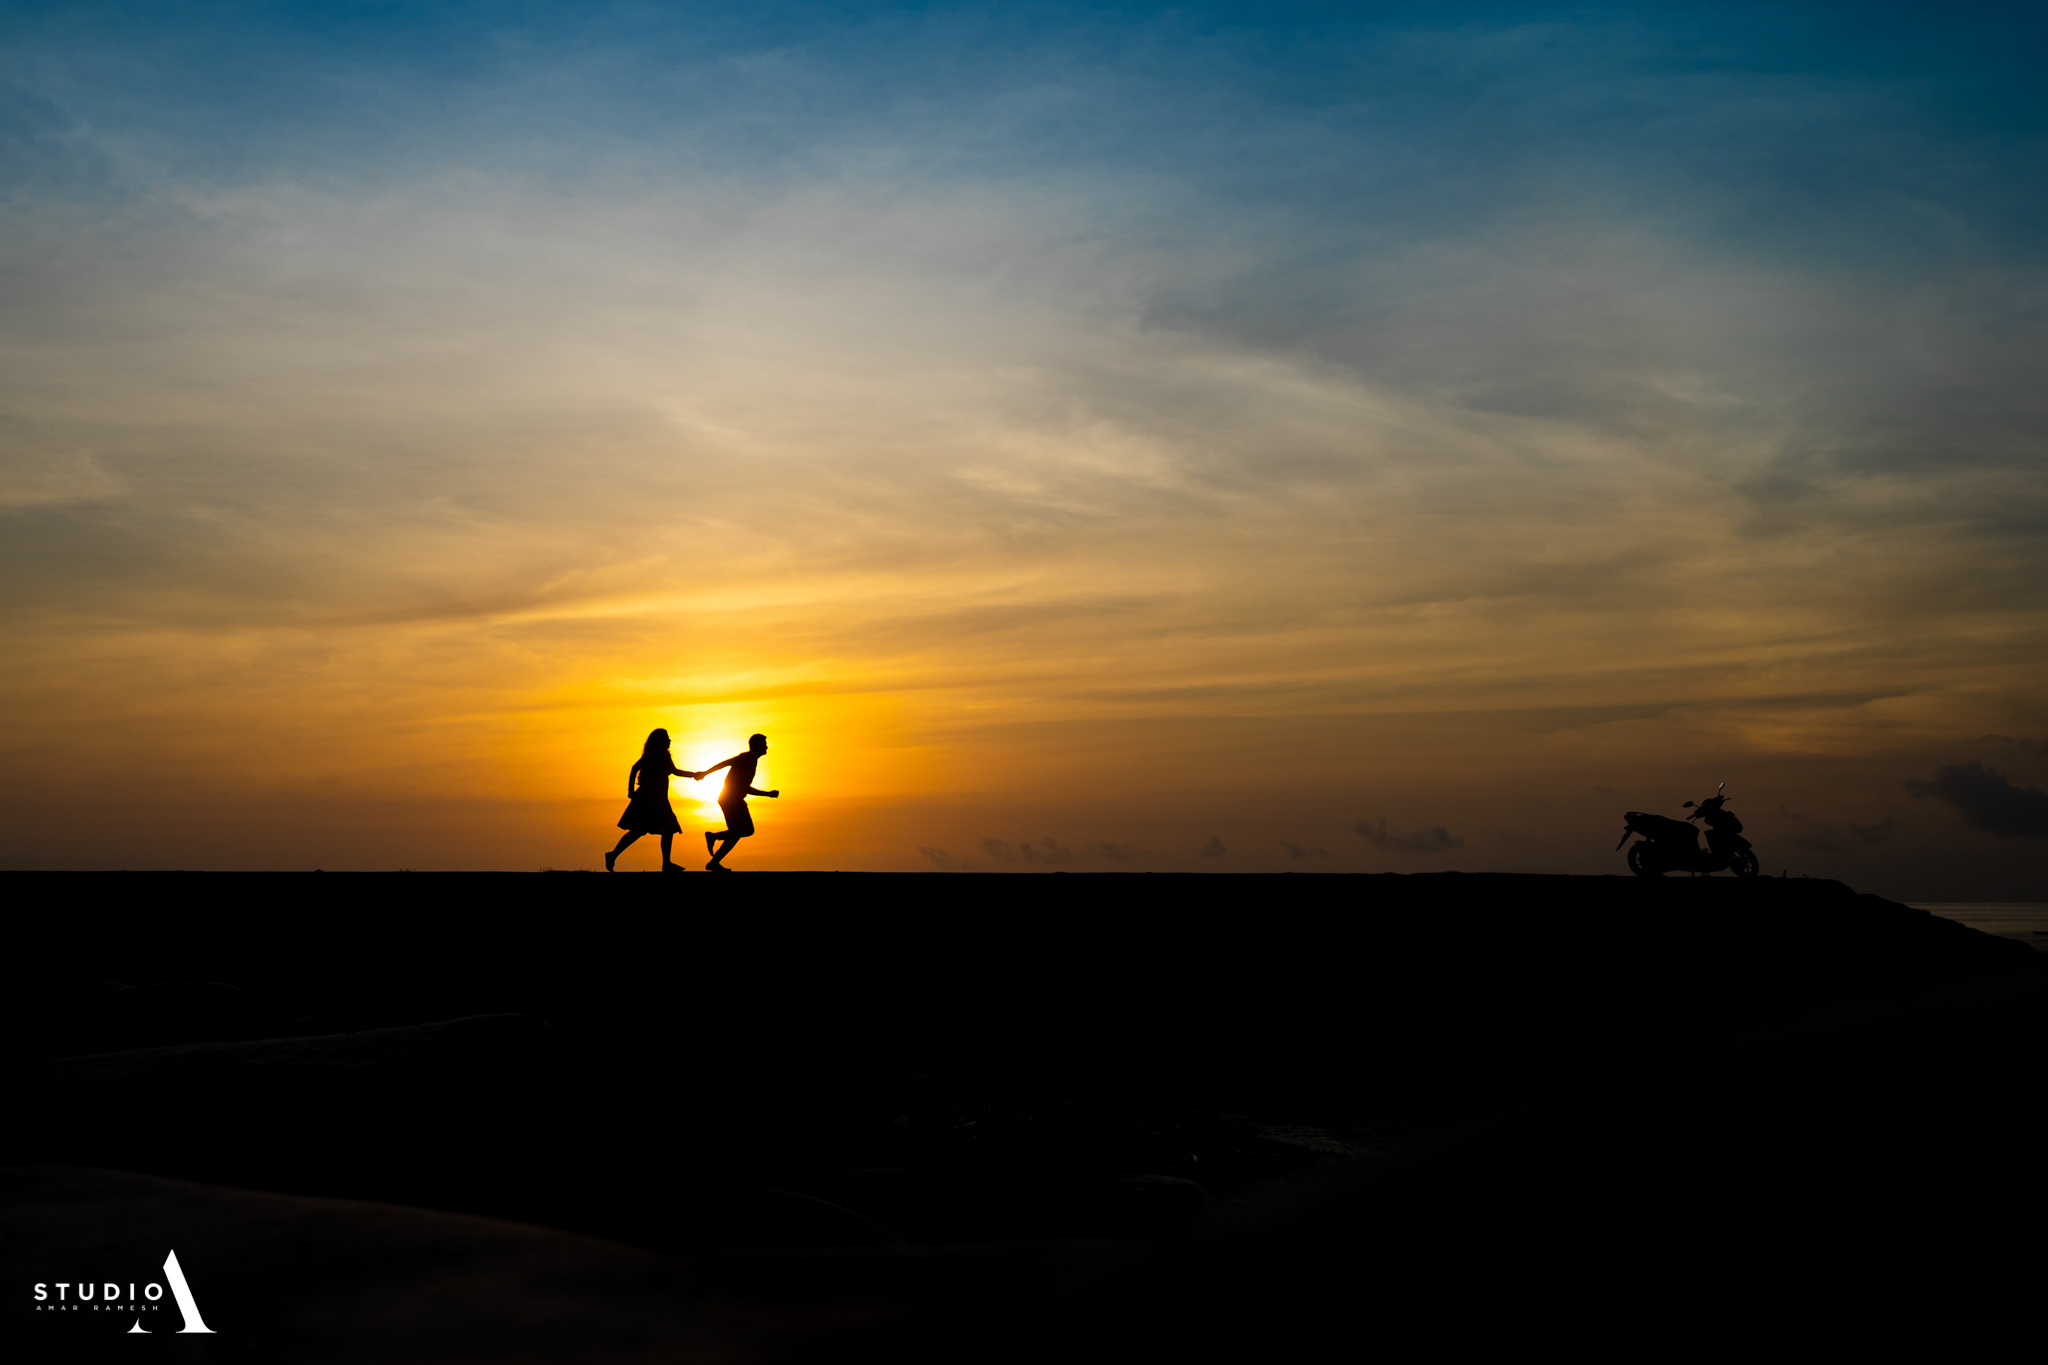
(738, 819)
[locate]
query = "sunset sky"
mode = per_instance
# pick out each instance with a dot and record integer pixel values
(1225, 438)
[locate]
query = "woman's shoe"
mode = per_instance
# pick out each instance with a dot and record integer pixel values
(609, 859)
(673, 867)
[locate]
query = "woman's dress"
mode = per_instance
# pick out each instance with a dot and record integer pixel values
(648, 812)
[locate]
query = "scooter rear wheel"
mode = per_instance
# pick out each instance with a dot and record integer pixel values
(1643, 862)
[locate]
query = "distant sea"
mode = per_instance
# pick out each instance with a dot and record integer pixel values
(2026, 921)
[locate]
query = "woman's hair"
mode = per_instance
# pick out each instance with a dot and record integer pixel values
(656, 739)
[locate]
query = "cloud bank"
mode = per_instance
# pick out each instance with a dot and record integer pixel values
(1988, 800)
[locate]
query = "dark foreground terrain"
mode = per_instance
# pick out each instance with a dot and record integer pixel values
(950, 1118)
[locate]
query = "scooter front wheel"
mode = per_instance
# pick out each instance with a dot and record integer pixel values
(1643, 862)
(1743, 862)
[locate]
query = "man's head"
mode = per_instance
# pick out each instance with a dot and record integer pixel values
(757, 743)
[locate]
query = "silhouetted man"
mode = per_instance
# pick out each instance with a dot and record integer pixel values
(739, 821)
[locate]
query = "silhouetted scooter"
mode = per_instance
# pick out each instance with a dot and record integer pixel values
(1674, 845)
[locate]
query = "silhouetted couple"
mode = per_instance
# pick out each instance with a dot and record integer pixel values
(648, 810)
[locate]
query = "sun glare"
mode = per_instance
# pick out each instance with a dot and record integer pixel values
(696, 757)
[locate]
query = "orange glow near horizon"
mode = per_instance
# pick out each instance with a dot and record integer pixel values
(1050, 716)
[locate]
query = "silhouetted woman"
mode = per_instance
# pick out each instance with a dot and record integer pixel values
(647, 807)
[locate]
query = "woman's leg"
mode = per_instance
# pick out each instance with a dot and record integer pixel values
(625, 842)
(667, 843)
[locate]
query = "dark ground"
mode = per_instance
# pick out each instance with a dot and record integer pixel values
(829, 1117)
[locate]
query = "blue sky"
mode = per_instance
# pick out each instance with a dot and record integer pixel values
(1276, 361)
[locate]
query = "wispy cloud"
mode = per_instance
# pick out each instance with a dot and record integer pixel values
(438, 383)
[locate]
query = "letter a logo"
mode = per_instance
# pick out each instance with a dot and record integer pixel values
(187, 1305)
(183, 1293)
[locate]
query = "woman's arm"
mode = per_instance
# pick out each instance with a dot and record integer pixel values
(756, 791)
(632, 773)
